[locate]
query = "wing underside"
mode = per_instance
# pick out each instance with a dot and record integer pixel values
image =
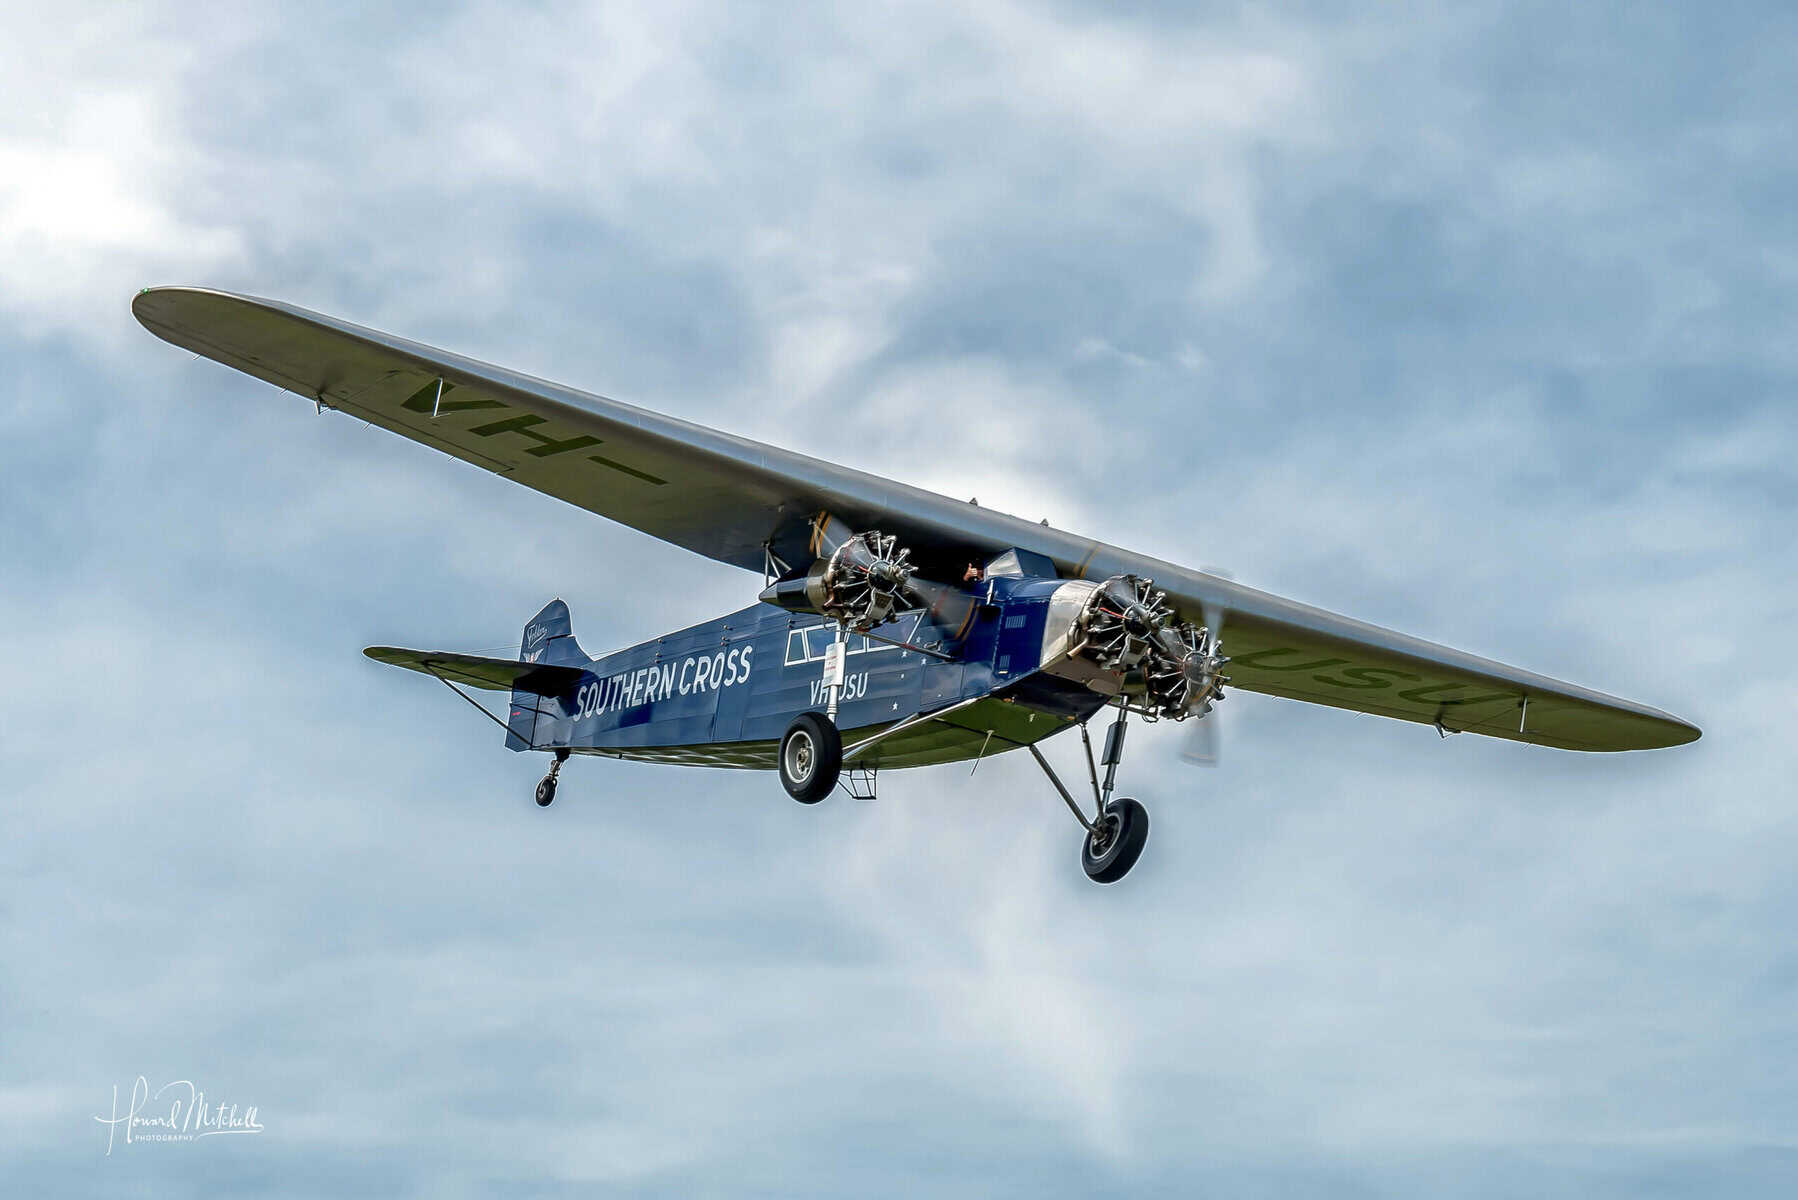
(739, 501)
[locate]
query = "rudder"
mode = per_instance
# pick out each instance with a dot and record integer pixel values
(548, 639)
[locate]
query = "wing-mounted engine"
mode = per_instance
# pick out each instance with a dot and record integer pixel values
(1125, 637)
(1121, 621)
(862, 583)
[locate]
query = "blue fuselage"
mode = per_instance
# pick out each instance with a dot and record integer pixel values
(726, 690)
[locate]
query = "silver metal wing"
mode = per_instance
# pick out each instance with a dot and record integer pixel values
(737, 501)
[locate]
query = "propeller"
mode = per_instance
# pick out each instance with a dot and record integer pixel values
(1204, 743)
(890, 574)
(863, 578)
(948, 608)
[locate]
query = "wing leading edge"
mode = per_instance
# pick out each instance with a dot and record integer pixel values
(735, 500)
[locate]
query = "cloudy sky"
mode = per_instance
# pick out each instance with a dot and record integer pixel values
(1477, 325)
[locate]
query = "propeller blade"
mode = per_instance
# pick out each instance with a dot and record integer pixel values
(949, 609)
(828, 535)
(1204, 743)
(1203, 746)
(1215, 614)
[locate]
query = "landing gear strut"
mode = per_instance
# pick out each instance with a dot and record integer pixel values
(811, 752)
(1117, 833)
(546, 787)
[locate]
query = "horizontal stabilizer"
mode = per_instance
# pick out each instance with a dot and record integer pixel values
(491, 674)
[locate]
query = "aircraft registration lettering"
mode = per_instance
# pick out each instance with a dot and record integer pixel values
(524, 425)
(854, 688)
(1367, 677)
(433, 398)
(660, 681)
(1372, 678)
(1436, 695)
(1258, 661)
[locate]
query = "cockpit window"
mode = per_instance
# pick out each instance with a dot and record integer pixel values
(809, 645)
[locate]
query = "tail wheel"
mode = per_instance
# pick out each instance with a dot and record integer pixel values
(811, 756)
(546, 787)
(1111, 849)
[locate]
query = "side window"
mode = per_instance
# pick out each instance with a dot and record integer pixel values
(817, 639)
(795, 647)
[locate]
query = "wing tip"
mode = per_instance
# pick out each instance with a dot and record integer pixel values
(1685, 733)
(1657, 730)
(155, 307)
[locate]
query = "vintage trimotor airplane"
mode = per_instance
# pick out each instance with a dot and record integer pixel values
(894, 627)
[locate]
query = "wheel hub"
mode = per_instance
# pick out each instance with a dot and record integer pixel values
(1103, 834)
(799, 757)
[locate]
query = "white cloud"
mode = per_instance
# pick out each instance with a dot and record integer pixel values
(96, 172)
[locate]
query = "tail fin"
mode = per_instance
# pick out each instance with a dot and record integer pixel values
(548, 639)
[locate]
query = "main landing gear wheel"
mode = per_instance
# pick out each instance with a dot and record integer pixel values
(811, 756)
(1114, 838)
(1110, 850)
(546, 787)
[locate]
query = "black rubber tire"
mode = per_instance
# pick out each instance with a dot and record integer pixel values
(811, 757)
(1127, 822)
(546, 791)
